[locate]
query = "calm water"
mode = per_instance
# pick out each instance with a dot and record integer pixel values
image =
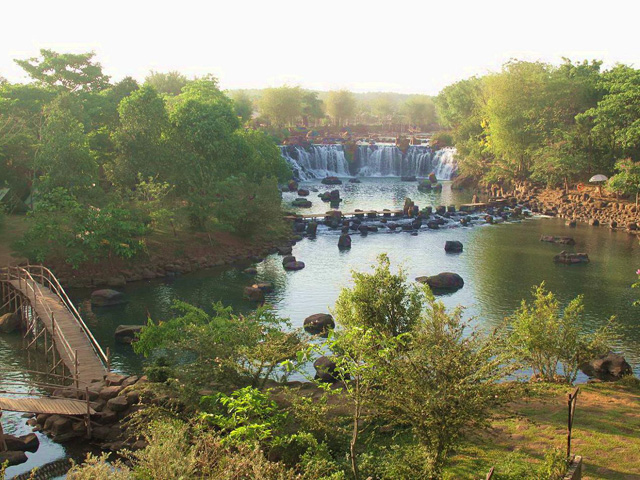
(500, 264)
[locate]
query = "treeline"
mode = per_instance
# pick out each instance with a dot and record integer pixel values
(291, 105)
(103, 163)
(555, 124)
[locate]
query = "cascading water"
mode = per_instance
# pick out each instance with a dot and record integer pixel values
(318, 161)
(379, 161)
(419, 161)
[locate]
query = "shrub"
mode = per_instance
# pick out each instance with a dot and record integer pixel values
(551, 342)
(99, 468)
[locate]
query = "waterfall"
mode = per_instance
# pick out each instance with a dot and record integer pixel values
(420, 161)
(317, 161)
(379, 161)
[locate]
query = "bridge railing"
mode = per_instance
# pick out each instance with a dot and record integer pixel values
(26, 281)
(49, 280)
(30, 275)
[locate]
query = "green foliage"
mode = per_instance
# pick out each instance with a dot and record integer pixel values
(441, 140)
(627, 180)
(282, 105)
(551, 342)
(99, 468)
(445, 382)
(341, 105)
(170, 83)
(71, 72)
(63, 228)
(382, 301)
(222, 347)
(419, 110)
(243, 105)
(312, 107)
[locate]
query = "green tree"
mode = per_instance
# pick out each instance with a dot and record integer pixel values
(627, 180)
(69, 71)
(282, 105)
(139, 141)
(243, 105)
(170, 83)
(64, 159)
(341, 106)
(312, 108)
(443, 382)
(381, 300)
(551, 342)
(419, 110)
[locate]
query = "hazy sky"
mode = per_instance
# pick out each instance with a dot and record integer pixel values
(409, 47)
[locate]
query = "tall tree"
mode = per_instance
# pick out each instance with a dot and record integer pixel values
(419, 110)
(341, 105)
(282, 105)
(312, 108)
(72, 72)
(243, 105)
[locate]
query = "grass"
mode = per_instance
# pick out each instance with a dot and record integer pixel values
(606, 433)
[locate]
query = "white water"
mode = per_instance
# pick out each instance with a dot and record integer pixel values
(388, 161)
(319, 161)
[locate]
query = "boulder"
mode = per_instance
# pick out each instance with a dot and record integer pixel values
(12, 458)
(443, 282)
(107, 298)
(288, 259)
(608, 368)
(303, 192)
(250, 271)
(254, 294)
(9, 322)
(266, 287)
(331, 181)
(354, 180)
(302, 203)
(126, 334)
(325, 370)
(312, 228)
(118, 404)
(114, 379)
(344, 241)
(107, 393)
(559, 240)
(296, 265)
(569, 258)
(285, 250)
(453, 246)
(292, 185)
(319, 324)
(25, 443)
(571, 223)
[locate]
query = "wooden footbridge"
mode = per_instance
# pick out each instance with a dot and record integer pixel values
(51, 323)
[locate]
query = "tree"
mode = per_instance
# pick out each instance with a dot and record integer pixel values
(243, 105)
(139, 141)
(627, 180)
(341, 105)
(283, 105)
(382, 301)
(170, 83)
(64, 159)
(69, 71)
(419, 110)
(312, 108)
(550, 343)
(442, 382)
(384, 107)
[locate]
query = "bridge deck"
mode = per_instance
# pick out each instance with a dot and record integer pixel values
(89, 365)
(59, 406)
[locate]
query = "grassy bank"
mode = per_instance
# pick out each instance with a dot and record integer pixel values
(606, 433)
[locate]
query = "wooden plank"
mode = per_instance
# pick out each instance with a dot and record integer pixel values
(60, 406)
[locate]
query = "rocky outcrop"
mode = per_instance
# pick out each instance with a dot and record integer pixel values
(569, 258)
(608, 368)
(107, 298)
(319, 324)
(444, 282)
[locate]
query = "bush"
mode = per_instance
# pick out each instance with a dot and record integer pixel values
(551, 342)
(99, 468)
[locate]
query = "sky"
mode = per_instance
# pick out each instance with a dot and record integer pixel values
(401, 46)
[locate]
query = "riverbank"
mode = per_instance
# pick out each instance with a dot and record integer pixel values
(586, 206)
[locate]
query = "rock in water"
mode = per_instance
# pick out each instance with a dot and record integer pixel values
(331, 181)
(319, 324)
(569, 258)
(126, 334)
(443, 282)
(453, 246)
(107, 298)
(559, 240)
(609, 367)
(296, 265)
(344, 241)
(9, 322)
(254, 294)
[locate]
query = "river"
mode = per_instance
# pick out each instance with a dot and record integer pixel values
(500, 264)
